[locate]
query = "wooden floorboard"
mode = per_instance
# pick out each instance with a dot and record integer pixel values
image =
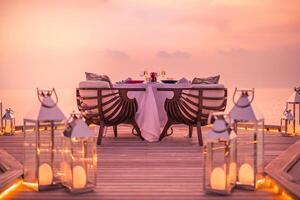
(129, 168)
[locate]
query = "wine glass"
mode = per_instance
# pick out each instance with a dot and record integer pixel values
(144, 74)
(163, 74)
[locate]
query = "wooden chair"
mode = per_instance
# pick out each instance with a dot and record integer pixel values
(192, 106)
(108, 107)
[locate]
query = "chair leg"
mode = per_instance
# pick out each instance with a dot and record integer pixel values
(115, 131)
(101, 130)
(136, 127)
(200, 140)
(165, 130)
(190, 131)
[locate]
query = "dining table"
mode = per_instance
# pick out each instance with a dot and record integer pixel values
(151, 116)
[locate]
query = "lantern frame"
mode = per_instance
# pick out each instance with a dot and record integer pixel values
(38, 127)
(8, 122)
(1, 115)
(253, 158)
(80, 152)
(293, 104)
(286, 124)
(214, 148)
(41, 144)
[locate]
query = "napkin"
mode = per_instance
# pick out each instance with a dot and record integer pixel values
(183, 80)
(124, 81)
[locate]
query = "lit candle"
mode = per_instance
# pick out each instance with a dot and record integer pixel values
(217, 179)
(232, 172)
(45, 174)
(7, 128)
(79, 177)
(246, 174)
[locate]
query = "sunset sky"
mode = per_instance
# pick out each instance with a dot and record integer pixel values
(51, 43)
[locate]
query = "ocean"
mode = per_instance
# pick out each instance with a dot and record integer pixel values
(269, 101)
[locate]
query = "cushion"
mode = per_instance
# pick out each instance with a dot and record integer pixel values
(96, 77)
(207, 80)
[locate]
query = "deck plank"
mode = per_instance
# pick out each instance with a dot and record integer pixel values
(129, 168)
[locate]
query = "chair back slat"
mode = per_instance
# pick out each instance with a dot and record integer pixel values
(110, 100)
(107, 105)
(190, 105)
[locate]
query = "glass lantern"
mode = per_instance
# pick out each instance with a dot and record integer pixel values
(250, 141)
(9, 123)
(42, 143)
(1, 114)
(220, 156)
(293, 104)
(79, 156)
(287, 123)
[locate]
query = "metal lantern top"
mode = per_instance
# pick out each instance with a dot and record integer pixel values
(9, 114)
(221, 128)
(77, 128)
(295, 97)
(48, 109)
(243, 109)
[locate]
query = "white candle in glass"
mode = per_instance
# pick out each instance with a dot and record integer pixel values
(232, 172)
(218, 179)
(246, 174)
(79, 177)
(45, 174)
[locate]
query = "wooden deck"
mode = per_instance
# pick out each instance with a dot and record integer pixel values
(129, 168)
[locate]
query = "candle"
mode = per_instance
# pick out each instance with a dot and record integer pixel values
(246, 174)
(217, 179)
(79, 177)
(232, 172)
(45, 174)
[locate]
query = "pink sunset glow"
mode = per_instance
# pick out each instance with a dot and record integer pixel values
(53, 42)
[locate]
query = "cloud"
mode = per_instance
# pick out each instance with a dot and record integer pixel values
(234, 52)
(116, 54)
(173, 55)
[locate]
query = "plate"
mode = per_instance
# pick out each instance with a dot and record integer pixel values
(169, 81)
(135, 81)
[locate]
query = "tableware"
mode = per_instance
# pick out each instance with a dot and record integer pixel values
(169, 81)
(134, 81)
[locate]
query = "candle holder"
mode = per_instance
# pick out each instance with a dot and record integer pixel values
(220, 156)
(41, 143)
(250, 141)
(79, 163)
(291, 126)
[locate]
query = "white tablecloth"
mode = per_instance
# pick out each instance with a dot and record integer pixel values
(151, 116)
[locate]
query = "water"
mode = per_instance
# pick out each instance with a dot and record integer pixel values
(270, 102)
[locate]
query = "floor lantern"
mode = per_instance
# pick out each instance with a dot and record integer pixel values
(1, 114)
(79, 153)
(8, 122)
(291, 120)
(42, 142)
(250, 141)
